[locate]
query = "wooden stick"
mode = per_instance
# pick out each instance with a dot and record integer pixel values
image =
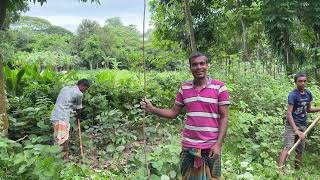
(144, 91)
(79, 133)
(22, 138)
(305, 133)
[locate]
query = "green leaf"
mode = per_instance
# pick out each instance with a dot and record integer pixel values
(172, 174)
(110, 148)
(120, 148)
(165, 177)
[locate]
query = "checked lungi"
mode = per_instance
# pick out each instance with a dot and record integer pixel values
(196, 165)
(61, 132)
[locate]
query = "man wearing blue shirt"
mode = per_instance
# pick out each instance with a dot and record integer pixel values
(299, 104)
(69, 99)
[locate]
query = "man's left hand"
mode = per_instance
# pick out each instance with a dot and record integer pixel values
(215, 151)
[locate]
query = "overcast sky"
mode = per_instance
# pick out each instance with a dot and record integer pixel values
(70, 13)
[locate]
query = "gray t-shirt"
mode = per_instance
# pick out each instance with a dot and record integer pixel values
(69, 98)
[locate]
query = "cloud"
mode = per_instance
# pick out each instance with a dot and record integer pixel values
(70, 13)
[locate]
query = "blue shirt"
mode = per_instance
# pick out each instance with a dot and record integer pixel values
(300, 103)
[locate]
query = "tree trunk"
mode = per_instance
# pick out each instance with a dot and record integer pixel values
(288, 65)
(227, 68)
(244, 40)
(245, 55)
(3, 13)
(91, 66)
(316, 58)
(274, 70)
(229, 64)
(188, 17)
(4, 123)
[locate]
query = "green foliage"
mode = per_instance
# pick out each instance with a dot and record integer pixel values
(163, 161)
(53, 43)
(93, 52)
(111, 125)
(30, 161)
(123, 44)
(36, 161)
(75, 172)
(37, 41)
(7, 47)
(239, 36)
(13, 79)
(259, 98)
(37, 25)
(86, 29)
(31, 108)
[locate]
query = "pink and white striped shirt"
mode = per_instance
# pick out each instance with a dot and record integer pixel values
(202, 123)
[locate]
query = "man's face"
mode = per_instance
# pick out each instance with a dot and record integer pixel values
(199, 67)
(301, 82)
(83, 88)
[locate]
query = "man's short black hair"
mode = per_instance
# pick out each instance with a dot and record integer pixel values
(299, 74)
(84, 82)
(197, 54)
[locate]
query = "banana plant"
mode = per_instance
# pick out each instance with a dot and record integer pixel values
(13, 79)
(46, 75)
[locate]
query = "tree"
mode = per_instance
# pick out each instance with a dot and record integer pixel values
(8, 10)
(169, 19)
(37, 25)
(93, 52)
(121, 42)
(279, 16)
(188, 16)
(85, 29)
(309, 15)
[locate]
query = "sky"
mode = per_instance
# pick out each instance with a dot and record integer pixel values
(70, 13)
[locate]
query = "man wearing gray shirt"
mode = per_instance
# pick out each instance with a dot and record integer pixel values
(69, 99)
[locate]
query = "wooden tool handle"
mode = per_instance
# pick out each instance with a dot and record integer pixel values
(305, 133)
(80, 140)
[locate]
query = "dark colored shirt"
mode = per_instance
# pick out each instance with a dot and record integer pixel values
(300, 103)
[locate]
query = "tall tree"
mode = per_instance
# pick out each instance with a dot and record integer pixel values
(169, 19)
(38, 25)
(124, 42)
(85, 29)
(3, 112)
(93, 52)
(8, 9)
(309, 15)
(279, 16)
(188, 17)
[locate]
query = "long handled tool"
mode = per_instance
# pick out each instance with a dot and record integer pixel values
(144, 91)
(80, 139)
(305, 133)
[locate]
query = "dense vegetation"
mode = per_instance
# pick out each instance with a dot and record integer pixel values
(255, 47)
(112, 127)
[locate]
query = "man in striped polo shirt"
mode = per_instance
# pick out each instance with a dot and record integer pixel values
(206, 101)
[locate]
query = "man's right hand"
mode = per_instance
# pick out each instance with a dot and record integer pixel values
(146, 105)
(300, 134)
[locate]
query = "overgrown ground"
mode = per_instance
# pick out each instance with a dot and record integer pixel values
(112, 127)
